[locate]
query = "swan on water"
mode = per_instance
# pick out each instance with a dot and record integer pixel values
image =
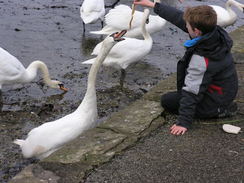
(128, 51)
(12, 71)
(49, 137)
(91, 11)
(119, 18)
(227, 17)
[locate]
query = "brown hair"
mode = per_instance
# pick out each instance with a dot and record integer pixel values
(201, 17)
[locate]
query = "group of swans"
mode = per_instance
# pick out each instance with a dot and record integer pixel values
(49, 137)
(127, 52)
(12, 71)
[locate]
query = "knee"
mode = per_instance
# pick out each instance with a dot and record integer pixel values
(164, 101)
(170, 102)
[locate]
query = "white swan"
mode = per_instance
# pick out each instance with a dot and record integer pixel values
(127, 52)
(226, 17)
(12, 71)
(91, 11)
(47, 138)
(119, 18)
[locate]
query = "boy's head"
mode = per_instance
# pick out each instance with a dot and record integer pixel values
(200, 20)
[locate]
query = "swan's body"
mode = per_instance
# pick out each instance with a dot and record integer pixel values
(12, 71)
(47, 138)
(119, 18)
(128, 51)
(91, 11)
(227, 17)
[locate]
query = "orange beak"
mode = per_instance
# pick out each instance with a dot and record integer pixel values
(61, 87)
(120, 34)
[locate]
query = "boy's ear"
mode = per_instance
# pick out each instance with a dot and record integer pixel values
(197, 32)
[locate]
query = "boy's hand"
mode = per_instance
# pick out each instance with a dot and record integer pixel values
(177, 130)
(147, 3)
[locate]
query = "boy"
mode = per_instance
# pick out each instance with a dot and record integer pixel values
(207, 81)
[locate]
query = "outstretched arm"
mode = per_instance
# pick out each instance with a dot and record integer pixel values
(165, 11)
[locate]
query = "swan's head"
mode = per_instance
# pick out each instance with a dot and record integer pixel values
(147, 20)
(118, 36)
(237, 4)
(146, 15)
(57, 84)
(240, 7)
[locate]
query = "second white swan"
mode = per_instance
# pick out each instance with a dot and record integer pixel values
(12, 71)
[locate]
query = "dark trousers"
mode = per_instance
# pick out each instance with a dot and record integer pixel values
(171, 103)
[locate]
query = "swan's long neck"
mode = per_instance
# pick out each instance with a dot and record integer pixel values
(145, 33)
(96, 65)
(32, 72)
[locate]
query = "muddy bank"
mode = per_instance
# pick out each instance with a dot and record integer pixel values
(52, 31)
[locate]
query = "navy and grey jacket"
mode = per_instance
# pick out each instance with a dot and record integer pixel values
(206, 76)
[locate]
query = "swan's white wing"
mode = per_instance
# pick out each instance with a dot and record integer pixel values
(105, 30)
(97, 49)
(10, 67)
(55, 133)
(90, 61)
(126, 52)
(119, 18)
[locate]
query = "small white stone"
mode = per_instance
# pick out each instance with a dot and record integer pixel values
(231, 128)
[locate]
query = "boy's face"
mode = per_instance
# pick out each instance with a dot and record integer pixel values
(193, 32)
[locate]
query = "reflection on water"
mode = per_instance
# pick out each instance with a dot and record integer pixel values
(88, 43)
